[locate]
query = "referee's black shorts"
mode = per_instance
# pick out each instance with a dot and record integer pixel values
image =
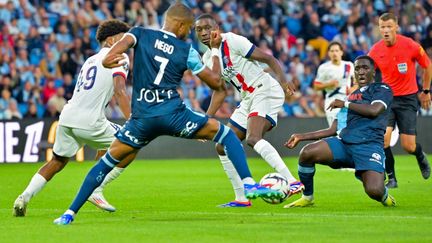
(404, 113)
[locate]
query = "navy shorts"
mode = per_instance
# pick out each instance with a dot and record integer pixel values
(138, 132)
(362, 157)
(403, 112)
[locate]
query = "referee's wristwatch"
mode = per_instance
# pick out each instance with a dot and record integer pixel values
(426, 91)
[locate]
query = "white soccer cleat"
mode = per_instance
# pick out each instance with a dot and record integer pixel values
(19, 207)
(99, 201)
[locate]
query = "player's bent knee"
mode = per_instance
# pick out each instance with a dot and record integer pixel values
(409, 147)
(308, 154)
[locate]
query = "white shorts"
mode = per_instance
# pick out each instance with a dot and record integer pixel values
(266, 101)
(69, 140)
(331, 115)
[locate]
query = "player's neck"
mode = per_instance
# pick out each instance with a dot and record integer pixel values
(391, 42)
(336, 62)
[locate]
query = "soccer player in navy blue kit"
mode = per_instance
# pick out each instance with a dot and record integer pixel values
(360, 145)
(160, 59)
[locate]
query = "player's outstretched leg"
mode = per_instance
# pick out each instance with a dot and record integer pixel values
(97, 198)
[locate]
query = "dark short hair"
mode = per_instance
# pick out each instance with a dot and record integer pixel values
(110, 28)
(388, 16)
(335, 43)
(371, 61)
(205, 16)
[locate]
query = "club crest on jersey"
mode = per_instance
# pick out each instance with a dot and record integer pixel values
(402, 67)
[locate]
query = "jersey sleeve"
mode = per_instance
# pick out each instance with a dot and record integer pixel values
(135, 33)
(194, 62)
(382, 94)
(320, 75)
(420, 55)
(122, 70)
(240, 44)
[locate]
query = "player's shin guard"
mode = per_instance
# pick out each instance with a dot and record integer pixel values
(93, 179)
(306, 174)
(389, 163)
(233, 149)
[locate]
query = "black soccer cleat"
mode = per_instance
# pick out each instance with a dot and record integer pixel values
(424, 166)
(392, 183)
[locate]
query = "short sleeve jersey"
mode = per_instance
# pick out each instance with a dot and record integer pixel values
(397, 63)
(343, 73)
(238, 69)
(93, 91)
(160, 60)
(361, 129)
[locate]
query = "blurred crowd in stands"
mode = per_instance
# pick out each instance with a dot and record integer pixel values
(44, 43)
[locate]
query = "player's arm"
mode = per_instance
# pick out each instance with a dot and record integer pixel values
(212, 77)
(217, 99)
(121, 96)
(317, 85)
(115, 56)
(315, 135)
(275, 66)
(368, 110)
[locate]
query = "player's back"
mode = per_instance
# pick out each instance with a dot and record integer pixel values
(93, 91)
(160, 60)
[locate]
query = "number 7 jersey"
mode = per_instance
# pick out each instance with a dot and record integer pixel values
(93, 91)
(160, 59)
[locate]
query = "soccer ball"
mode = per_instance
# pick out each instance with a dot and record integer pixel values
(276, 182)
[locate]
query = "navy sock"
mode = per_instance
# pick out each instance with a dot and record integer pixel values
(233, 149)
(93, 179)
(418, 152)
(306, 173)
(389, 163)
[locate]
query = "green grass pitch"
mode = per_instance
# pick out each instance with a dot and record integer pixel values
(175, 201)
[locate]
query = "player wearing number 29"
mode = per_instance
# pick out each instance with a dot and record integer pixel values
(82, 120)
(160, 59)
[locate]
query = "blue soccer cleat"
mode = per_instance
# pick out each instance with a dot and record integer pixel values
(256, 190)
(65, 219)
(236, 204)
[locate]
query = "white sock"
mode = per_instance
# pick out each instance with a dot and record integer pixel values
(249, 180)
(309, 198)
(234, 177)
(269, 154)
(70, 212)
(114, 173)
(36, 184)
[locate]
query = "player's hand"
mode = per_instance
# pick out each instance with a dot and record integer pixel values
(289, 88)
(336, 104)
(113, 60)
(215, 39)
(292, 141)
(425, 100)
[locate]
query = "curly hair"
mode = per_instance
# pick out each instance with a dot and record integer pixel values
(109, 28)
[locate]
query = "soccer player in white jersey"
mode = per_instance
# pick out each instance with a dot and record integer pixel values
(262, 99)
(82, 120)
(335, 77)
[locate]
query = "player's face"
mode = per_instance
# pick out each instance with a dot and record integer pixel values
(364, 72)
(203, 28)
(335, 53)
(388, 30)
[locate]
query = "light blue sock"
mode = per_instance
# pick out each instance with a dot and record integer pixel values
(233, 149)
(93, 179)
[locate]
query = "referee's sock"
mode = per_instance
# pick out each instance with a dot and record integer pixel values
(389, 163)
(418, 152)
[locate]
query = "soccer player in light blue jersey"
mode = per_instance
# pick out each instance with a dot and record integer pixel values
(160, 59)
(360, 145)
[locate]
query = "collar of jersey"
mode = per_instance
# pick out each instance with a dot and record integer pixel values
(168, 33)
